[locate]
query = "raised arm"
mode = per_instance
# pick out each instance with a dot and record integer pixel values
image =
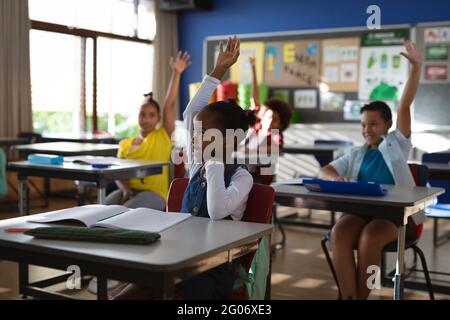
(178, 65)
(255, 89)
(404, 109)
(227, 57)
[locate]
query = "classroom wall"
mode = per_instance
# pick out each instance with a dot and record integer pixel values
(253, 16)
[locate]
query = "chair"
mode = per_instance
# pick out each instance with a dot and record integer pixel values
(259, 210)
(420, 174)
(32, 137)
(441, 210)
(323, 161)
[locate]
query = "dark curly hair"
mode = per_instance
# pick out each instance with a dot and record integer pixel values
(283, 109)
(229, 115)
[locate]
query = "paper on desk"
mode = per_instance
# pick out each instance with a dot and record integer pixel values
(296, 181)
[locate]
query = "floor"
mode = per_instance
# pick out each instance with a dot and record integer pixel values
(299, 269)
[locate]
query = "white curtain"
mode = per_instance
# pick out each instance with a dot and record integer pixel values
(15, 84)
(165, 46)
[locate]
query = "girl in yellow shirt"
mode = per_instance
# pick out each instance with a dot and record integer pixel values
(153, 144)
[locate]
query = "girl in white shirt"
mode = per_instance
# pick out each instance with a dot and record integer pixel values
(218, 189)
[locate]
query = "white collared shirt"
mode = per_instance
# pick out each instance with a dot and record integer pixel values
(221, 201)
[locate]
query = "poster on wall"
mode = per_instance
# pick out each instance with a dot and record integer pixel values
(340, 64)
(305, 99)
(241, 71)
(332, 101)
(352, 109)
(382, 70)
(437, 35)
(436, 52)
(292, 63)
(437, 46)
(436, 72)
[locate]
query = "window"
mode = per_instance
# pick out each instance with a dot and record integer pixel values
(124, 75)
(90, 76)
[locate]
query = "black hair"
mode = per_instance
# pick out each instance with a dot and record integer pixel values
(231, 116)
(148, 99)
(381, 107)
(283, 109)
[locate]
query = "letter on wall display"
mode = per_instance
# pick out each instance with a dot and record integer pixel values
(292, 63)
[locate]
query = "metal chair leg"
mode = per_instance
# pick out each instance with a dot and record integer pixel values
(330, 264)
(435, 232)
(425, 270)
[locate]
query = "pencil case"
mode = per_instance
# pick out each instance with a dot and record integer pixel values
(122, 236)
(45, 158)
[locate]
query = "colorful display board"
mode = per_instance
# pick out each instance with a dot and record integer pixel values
(382, 70)
(339, 70)
(292, 63)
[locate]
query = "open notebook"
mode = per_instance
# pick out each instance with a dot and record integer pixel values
(115, 217)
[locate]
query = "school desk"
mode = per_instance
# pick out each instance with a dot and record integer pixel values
(438, 171)
(85, 137)
(125, 169)
(183, 251)
(397, 206)
(328, 152)
(68, 148)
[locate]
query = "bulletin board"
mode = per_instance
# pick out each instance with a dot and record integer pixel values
(432, 105)
(316, 71)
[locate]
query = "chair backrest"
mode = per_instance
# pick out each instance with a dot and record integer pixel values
(323, 161)
(175, 196)
(343, 143)
(439, 157)
(258, 209)
(31, 136)
(420, 175)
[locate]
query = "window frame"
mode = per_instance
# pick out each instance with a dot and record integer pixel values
(84, 34)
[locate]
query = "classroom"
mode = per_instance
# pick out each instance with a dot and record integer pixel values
(224, 150)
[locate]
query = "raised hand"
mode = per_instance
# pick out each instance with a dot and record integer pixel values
(181, 62)
(252, 61)
(414, 56)
(226, 58)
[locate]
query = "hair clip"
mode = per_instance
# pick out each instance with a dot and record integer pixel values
(149, 95)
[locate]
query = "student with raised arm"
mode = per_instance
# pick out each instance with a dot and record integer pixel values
(217, 189)
(383, 159)
(153, 143)
(273, 118)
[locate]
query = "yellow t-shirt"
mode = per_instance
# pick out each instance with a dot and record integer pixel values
(156, 146)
